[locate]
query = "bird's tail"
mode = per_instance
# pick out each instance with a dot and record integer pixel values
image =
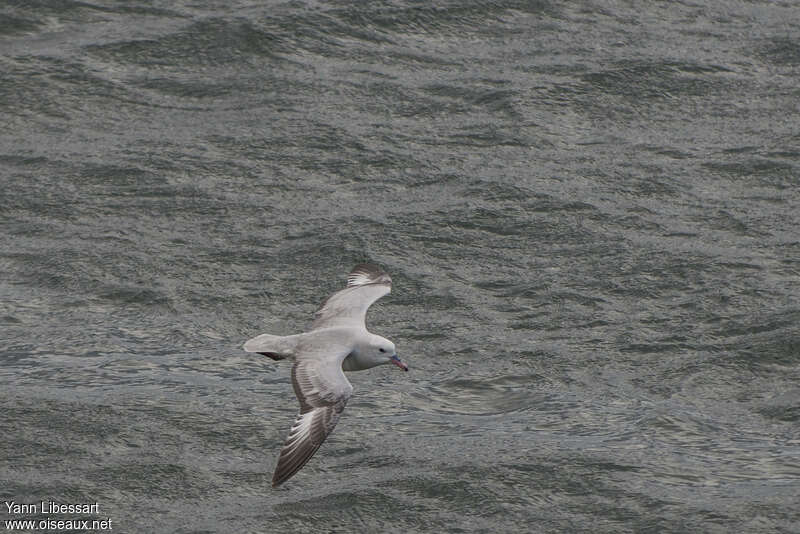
(276, 347)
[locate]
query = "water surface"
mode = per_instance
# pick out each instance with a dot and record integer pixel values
(589, 211)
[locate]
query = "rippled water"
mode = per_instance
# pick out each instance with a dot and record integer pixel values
(589, 211)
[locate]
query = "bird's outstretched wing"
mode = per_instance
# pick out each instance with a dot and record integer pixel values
(323, 391)
(348, 307)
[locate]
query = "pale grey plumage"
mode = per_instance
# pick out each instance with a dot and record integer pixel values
(348, 307)
(337, 341)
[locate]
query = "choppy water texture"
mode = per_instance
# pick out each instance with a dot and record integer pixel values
(590, 211)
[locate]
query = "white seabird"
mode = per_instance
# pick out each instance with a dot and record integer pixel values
(338, 341)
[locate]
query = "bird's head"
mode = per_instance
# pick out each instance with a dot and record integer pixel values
(382, 351)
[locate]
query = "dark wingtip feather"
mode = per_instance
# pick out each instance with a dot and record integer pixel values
(366, 273)
(287, 469)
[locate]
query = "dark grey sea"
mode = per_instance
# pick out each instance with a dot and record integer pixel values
(590, 211)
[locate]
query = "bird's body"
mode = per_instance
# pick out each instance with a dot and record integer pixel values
(338, 341)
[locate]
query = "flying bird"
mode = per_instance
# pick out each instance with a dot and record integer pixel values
(338, 341)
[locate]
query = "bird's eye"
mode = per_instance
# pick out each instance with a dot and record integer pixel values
(382, 350)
